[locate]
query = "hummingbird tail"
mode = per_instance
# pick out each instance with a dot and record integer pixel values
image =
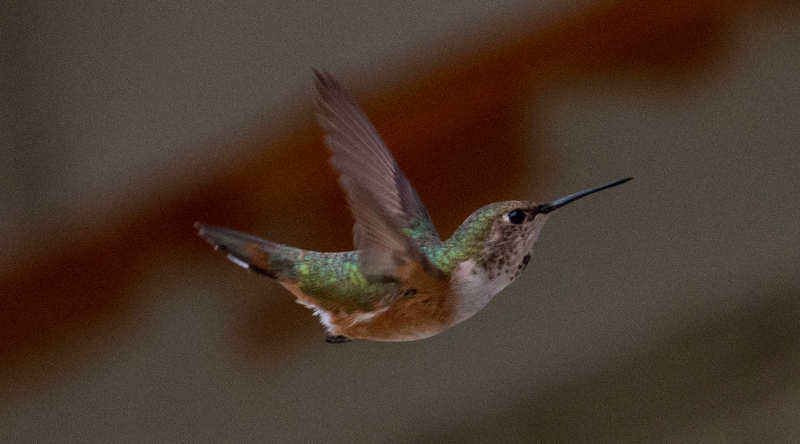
(262, 256)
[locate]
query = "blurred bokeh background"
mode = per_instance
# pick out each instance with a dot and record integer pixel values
(664, 311)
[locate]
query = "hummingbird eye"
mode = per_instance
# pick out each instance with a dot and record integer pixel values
(516, 216)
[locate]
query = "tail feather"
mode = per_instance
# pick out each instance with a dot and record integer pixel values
(262, 256)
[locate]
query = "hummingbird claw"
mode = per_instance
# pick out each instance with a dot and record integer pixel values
(336, 339)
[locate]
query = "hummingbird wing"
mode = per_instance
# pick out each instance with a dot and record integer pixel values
(391, 221)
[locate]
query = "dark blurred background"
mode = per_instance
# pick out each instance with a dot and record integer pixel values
(664, 311)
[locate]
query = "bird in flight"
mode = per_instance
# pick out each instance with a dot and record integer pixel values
(402, 282)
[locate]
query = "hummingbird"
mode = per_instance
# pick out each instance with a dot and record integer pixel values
(402, 282)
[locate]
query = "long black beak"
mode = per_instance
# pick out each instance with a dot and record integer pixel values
(546, 208)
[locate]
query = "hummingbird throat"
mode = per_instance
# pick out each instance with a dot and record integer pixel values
(508, 249)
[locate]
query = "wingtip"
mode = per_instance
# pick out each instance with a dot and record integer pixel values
(322, 78)
(328, 87)
(322, 84)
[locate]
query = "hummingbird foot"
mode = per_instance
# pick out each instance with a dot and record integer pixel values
(336, 339)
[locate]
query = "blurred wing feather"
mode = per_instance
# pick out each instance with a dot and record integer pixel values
(391, 222)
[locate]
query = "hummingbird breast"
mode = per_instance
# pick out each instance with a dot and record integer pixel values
(474, 287)
(505, 256)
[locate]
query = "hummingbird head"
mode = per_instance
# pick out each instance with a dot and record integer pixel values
(502, 234)
(513, 227)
